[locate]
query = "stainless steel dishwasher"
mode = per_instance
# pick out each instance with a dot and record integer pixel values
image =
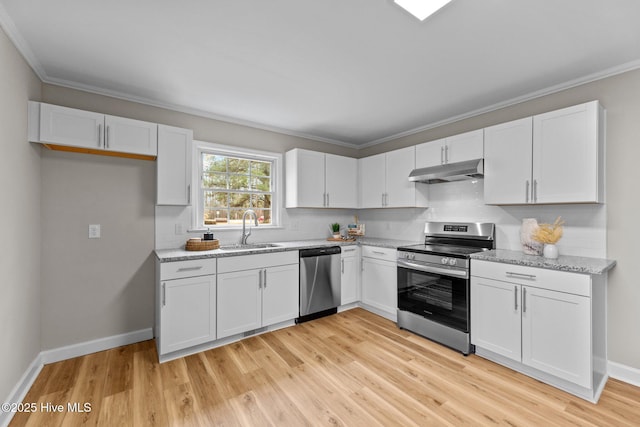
(319, 282)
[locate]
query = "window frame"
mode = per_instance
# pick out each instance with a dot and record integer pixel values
(277, 198)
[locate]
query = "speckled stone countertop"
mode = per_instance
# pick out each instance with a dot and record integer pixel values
(170, 255)
(568, 263)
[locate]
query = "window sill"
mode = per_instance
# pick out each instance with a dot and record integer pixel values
(236, 228)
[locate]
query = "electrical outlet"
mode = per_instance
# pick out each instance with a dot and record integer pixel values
(179, 229)
(94, 231)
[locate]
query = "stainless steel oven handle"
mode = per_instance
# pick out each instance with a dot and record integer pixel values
(430, 269)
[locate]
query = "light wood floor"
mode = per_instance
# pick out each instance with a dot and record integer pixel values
(353, 369)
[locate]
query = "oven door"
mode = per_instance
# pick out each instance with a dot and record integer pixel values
(436, 293)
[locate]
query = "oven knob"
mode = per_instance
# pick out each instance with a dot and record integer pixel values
(444, 260)
(413, 257)
(452, 261)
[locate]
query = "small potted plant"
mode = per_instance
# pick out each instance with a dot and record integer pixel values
(335, 228)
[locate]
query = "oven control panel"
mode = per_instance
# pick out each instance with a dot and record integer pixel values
(451, 262)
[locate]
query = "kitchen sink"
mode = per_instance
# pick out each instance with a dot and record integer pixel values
(248, 246)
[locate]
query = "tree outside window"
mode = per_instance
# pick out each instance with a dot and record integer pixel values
(231, 185)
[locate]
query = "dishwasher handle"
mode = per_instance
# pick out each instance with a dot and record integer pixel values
(313, 252)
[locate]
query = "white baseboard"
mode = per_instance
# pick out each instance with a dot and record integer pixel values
(22, 387)
(624, 373)
(88, 347)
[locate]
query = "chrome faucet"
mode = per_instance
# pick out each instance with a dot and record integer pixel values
(245, 235)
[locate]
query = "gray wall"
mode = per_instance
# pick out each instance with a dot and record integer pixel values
(20, 217)
(619, 95)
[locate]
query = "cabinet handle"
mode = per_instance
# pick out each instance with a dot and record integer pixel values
(446, 154)
(521, 275)
(99, 136)
(189, 194)
(106, 137)
(382, 199)
(361, 264)
(342, 266)
(327, 199)
(442, 155)
(526, 192)
(524, 300)
(264, 281)
(259, 279)
(515, 298)
(386, 199)
(348, 250)
(164, 294)
(378, 252)
(535, 191)
(190, 268)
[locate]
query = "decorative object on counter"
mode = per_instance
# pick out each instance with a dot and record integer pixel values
(355, 229)
(530, 246)
(549, 235)
(335, 229)
(208, 235)
(341, 239)
(197, 244)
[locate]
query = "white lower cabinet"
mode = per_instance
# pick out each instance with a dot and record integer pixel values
(380, 280)
(544, 323)
(350, 275)
(255, 291)
(186, 301)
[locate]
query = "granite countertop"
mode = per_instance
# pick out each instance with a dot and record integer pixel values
(568, 263)
(179, 254)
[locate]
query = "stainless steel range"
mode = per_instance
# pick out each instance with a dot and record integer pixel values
(434, 278)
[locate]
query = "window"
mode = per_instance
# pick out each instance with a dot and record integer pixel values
(233, 181)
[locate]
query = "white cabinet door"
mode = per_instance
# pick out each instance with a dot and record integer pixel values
(400, 192)
(507, 162)
(566, 155)
(372, 181)
(305, 179)
(430, 153)
(380, 285)
(130, 136)
(174, 166)
(68, 126)
(495, 316)
(187, 312)
(350, 283)
(239, 302)
(341, 181)
(280, 294)
(465, 146)
(556, 334)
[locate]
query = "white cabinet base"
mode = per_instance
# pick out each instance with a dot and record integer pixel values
(592, 395)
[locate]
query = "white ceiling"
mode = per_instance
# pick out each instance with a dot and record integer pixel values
(354, 72)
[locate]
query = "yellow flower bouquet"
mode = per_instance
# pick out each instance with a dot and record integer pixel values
(549, 234)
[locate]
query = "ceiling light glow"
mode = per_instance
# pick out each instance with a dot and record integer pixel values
(421, 9)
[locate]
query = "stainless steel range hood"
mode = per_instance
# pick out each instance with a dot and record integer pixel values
(450, 172)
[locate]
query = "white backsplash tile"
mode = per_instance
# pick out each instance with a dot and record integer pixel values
(584, 231)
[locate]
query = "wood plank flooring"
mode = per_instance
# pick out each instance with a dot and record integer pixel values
(350, 369)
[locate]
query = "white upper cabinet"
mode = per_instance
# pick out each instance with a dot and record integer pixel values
(556, 157)
(173, 166)
(507, 162)
(372, 181)
(453, 149)
(384, 181)
(66, 126)
(130, 136)
(56, 125)
(341, 181)
(319, 180)
(568, 155)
